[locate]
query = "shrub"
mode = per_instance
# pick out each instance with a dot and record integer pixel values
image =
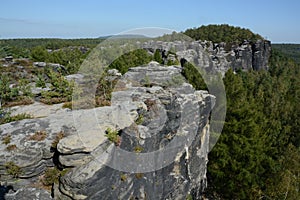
(7, 93)
(61, 89)
(40, 82)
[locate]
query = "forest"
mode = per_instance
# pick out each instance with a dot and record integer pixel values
(258, 153)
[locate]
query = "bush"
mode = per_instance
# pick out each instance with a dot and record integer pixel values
(61, 89)
(193, 76)
(6, 92)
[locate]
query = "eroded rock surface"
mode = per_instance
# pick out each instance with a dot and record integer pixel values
(249, 55)
(163, 125)
(172, 121)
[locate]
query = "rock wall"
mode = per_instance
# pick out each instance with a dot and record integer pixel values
(167, 107)
(219, 57)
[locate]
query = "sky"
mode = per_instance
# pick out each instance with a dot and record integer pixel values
(276, 20)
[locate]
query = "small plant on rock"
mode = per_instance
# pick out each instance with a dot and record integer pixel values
(189, 197)
(57, 138)
(13, 169)
(67, 105)
(140, 119)
(51, 176)
(6, 139)
(150, 103)
(123, 177)
(38, 136)
(139, 175)
(138, 149)
(113, 136)
(11, 147)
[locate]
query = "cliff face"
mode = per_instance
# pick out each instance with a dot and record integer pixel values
(161, 153)
(219, 56)
(246, 56)
(166, 120)
(162, 123)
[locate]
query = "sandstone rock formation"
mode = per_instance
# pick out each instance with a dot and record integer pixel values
(218, 57)
(171, 110)
(163, 126)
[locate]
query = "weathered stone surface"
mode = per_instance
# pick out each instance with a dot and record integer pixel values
(39, 64)
(168, 115)
(31, 153)
(29, 193)
(75, 77)
(219, 57)
(38, 90)
(38, 110)
(91, 126)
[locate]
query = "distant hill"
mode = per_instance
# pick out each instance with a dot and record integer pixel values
(222, 33)
(290, 50)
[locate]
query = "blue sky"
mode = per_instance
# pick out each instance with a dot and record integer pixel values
(278, 21)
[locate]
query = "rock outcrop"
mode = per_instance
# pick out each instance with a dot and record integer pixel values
(171, 115)
(216, 57)
(161, 153)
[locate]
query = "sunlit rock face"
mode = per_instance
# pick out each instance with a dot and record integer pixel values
(217, 56)
(165, 136)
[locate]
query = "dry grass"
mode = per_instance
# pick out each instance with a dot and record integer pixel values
(139, 175)
(54, 100)
(6, 139)
(67, 105)
(38, 136)
(11, 147)
(21, 101)
(57, 138)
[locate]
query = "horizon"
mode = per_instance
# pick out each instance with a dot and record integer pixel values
(32, 19)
